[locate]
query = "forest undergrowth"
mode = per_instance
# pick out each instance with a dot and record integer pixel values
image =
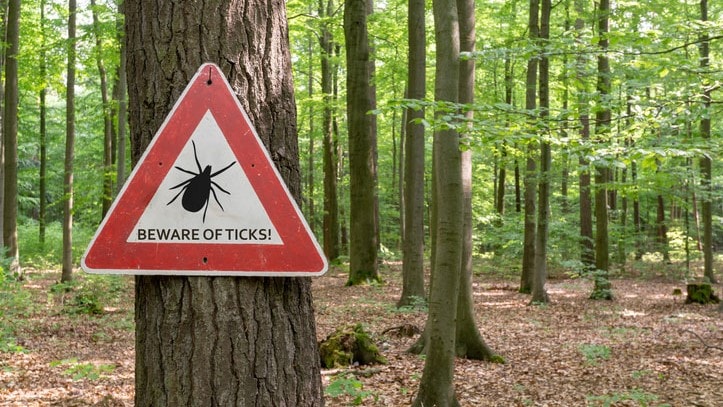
(72, 344)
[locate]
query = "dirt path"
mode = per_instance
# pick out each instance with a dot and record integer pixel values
(645, 348)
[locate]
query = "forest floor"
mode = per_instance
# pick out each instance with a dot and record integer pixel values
(646, 348)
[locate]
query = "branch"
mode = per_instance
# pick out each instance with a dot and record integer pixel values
(703, 342)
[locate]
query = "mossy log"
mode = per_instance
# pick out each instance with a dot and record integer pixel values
(348, 345)
(701, 293)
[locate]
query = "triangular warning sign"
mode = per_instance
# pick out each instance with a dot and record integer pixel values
(205, 199)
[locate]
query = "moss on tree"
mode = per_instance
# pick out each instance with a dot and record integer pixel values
(348, 345)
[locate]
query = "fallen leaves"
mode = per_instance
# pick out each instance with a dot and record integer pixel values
(645, 348)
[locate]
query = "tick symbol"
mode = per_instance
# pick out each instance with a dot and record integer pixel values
(197, 189)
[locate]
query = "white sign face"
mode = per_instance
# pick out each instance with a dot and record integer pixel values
(206, 197)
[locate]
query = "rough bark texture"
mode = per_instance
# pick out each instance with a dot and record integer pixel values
(220, 341)
(363, 245)
(413, 247)
(437, 384)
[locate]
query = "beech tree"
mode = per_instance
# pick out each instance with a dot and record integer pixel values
(10, 137)
(220, 341)
(364, 234)
(67, 274)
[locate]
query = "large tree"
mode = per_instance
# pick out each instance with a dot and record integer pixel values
(364, 241)
(220, 341)
(437, 385)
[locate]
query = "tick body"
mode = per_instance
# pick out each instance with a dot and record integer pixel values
(198, 189)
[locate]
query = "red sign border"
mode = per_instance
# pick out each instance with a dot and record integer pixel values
(110, 253)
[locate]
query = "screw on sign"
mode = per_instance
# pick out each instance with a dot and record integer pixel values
(197, 189)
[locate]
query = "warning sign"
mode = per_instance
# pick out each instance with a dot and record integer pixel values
(205, 199)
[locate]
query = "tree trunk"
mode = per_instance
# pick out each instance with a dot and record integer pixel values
(331, 172)
(43, 133)
(587, 250)
(10, 138)
(413, 246)
(122, 88)
(363, 265)
(107, 121)
(67, 274)
(530, 176)
(219, 341)
(436, 386)
(469, 343)
(539, 294)
(706, 162)
(602, 288)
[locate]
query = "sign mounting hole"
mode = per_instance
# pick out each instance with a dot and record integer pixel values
(205, 260)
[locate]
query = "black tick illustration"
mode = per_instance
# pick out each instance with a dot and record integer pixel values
(197, 189)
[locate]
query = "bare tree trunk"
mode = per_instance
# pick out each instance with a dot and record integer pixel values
(706, 163)
(413, 248)
(364, 242)
(603, 288)
(43, 144)
(530, 176)
(437, 387)
(539, 294)
(107, 122)
(122, 89)
(67, 274)
(220, 341)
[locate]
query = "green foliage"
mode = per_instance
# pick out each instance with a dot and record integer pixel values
(8, 341)
(49, 255)
(349, 386)
(83, 371)
(639, 397)
(593, 353)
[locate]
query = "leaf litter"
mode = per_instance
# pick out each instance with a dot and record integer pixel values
(645, 348)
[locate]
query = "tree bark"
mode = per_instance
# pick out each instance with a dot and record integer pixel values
(364, 243)
(602, 288)
(706, 162)
(530, 176)
(122, 96)
(219, 341)
(107, 197)
(413, 242)
(67, 274)
(539, 294)
(437, 386)
(10, 137)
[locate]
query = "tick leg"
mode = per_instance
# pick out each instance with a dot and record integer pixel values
(223, 169)
(216, 198)
(219, 187)
(177, 195)
(198, 164)
(186, 171)
(205, 208)
(186, 182)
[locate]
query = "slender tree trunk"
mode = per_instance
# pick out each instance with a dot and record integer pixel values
(530, 176)
(42, 181)
(122, 102)
(107, 121)
(330, 160)
(220, 341)
(3, 58)
(706, 162)
(67, 274)
(10, 138)
(539, 294)
(603, 288)
(413, 249)
(437, 383)
(587, 250)
(363, 265)
(310, 186)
